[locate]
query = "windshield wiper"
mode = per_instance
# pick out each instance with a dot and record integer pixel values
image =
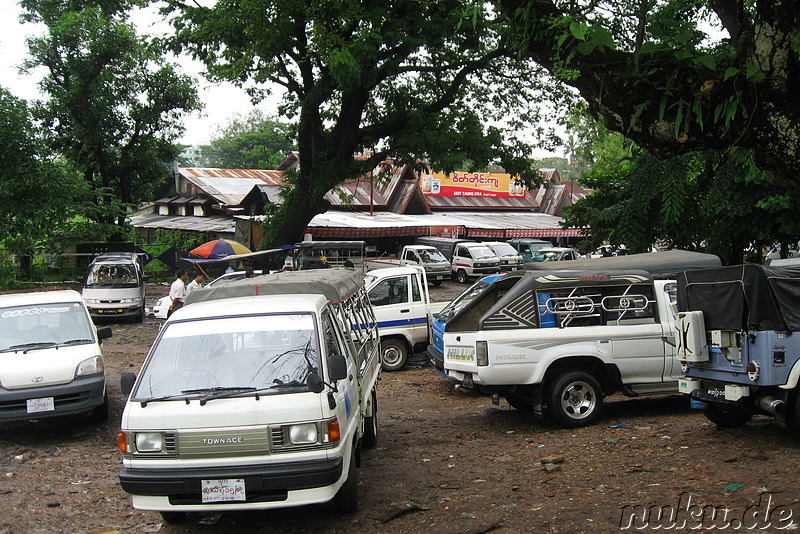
(237, 391)
(217, 389)
(76, 341)
(25, 347)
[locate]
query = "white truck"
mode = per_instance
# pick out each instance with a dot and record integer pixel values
(468, 259)
(437, 267)
(557, 342)
(258, 394)
(402, 306)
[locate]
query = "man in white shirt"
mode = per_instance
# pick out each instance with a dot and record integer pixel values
(177, 291)
(195, 283)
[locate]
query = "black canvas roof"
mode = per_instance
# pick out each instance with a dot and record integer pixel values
(743, 297)
(666, 264)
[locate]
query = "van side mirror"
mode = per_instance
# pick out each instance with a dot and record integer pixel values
(126, 381)
(337, 367)
(104, 332)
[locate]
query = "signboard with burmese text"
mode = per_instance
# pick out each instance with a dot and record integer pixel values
(471, 184)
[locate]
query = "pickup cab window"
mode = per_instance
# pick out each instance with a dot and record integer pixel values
(390, 291)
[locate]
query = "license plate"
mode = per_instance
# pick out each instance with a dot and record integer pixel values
(45, 404)
(110, 311)
(223, 489)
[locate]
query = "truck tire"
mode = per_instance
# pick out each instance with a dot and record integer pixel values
(370, 437)
(346, 499)
(575, 399)
(462, 277)
(173, 518)
(726, 416)
(436, 283)
(394, 355)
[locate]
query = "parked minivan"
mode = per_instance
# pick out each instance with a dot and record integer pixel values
(115, 286)
(51, 362)
(510, 258)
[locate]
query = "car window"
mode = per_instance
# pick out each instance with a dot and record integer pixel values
(390, 291)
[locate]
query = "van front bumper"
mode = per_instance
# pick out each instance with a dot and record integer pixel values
(263, 483)
(81, 395)
(115, 310)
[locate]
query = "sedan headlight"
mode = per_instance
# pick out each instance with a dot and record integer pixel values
(92, 366)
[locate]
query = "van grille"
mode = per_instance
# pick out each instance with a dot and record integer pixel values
(223, 443)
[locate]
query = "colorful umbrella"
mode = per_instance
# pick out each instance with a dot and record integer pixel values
(218, 249)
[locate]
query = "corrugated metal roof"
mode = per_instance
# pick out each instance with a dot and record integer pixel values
(264, 176)
(186, 222)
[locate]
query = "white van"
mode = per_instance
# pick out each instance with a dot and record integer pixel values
(473, 260)
(51, 362)
(115, 286)
(257, 394)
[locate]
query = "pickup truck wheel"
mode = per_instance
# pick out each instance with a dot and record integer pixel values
(576, 399)
(436, 283)
(394, 355)
(726, 416)
(462, 277)
(370, 437)
(346, 499)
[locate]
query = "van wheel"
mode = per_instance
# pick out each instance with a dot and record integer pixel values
(575, 400)
(462, 277)
(99, 414)
(726, 416)
(370, 437)
(173, 517)
(346, 499)
(394, 355)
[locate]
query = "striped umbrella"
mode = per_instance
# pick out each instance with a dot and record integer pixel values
(218, 249)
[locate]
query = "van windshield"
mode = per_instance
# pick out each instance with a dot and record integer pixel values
(63, 323)
(112, 275)
(253, 352)
(481, 253)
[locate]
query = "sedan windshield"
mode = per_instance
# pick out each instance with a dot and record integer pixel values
(247, 353)
(43, 325)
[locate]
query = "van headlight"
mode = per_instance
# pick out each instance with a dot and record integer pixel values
(304, 434)
(149, 442)
(91, 366)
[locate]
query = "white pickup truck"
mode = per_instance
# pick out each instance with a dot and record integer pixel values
(258, 394)
(558, 342)
(403, 309)
(437, 267)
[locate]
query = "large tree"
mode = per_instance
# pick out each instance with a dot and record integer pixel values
(645, 68)
(114, 105)
(43, 201)
(403, 79)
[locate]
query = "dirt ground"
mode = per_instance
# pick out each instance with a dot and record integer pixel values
(447, 461)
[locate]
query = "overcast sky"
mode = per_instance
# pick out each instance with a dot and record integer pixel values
(221, 100)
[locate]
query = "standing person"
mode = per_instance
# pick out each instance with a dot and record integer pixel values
(177, 291)
(195, 283)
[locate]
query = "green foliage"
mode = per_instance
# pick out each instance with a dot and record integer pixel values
(255, 142)
(718, 202)
(114, 105)
(45, 203)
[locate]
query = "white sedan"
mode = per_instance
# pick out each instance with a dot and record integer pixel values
(161, 307)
